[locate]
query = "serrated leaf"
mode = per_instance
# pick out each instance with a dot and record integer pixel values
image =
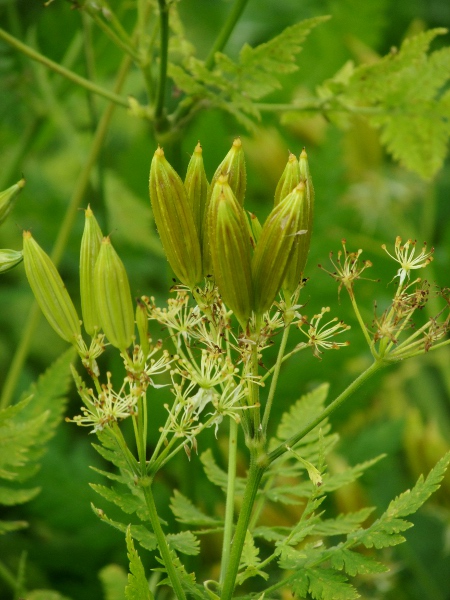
(137, 588)
(326, 584)
(383, 533)
(124, 500)
(10, 496)
(250, 561)
(410, 501)
(113, 579)
(335, 481)
(217, 475)
(257, 70)
(342, 524)
(146, 538)
(187, 579)
(11, 411)
(184, 542)
(7, 526)
(186, 512)
(354, 563)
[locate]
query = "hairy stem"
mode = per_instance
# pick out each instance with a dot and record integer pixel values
(253, 480)
(162, 544)
(365, 375)
(229, 509)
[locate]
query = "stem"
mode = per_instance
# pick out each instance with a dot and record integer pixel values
(164, 45)
(61, 241)
(114, 37)
(77, 79)
(229, 508)
(226, 31)
(297, 348)
(360, 320)
(253, 479)
(162, 544)
(7, 576)
(273, 384)
(254, 392)
(293, 440)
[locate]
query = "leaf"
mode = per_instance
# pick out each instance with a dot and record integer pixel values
(257, 70)
(342, 524)
(45, 595)
(187, 579)
(217, 475)
(126, 501)
(354, 563)
(335, 481)
(114, 580)
(410, 501)
(250, 561)
(25, 428)
(146, 538)
(184, 542)
(137, 588)
(405, 90)
(326, 584)
(186, 512)
(383, 533)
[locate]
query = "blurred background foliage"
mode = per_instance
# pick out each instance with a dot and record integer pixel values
(47, 126)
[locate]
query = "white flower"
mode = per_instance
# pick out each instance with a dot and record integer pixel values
(405, 257)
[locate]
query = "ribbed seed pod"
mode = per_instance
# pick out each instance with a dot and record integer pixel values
(289, 179)
(142, 326)
(230, 251)
(8, 197)
(90, 247)
(214, 192)
(49, 290)
(9, 259)
(113, 297)
(303, 242)
(197, 188)
(274, 249)
(175, 221)
(256, 227)
(232, 167)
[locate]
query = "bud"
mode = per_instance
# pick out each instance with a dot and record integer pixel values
(275, 247)
(175, 221)
(197, 188)
(142, 326)
(230, 251)
(113, 297)
(90, 247)
(9, 259)
(49, 290)
(288, 180)
(8, 197)
(303, 242)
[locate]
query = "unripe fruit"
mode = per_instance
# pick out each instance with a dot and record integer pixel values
(113, 297)
(8, 197)
(90, 247)
(288, 180)
(197, 188)
(49, 290)
(175, 221)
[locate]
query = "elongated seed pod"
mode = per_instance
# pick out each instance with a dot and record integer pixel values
(274, 249)
(214, 193)
(113, 297)
(49, 290)
(256, 227)
(9, 259)
(289, 179)
(300, 255)
(8, 198)
(233, 168)
(90, 247)
(197, 188)
(175, 221)
(230, 252)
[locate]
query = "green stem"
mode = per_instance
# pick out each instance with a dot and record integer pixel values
(298, 347)
(113, 36)
(273, 384)
(7, 576)
(293, 440)
(164, 46)
(229, 508)
(253, 480)
(77, 79)
(162, 544)
(360, 319)
(226, 31)
(61, 241)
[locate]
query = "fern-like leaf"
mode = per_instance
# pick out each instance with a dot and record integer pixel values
(137, 588)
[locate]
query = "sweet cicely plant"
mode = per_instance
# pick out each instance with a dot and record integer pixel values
(238, 291)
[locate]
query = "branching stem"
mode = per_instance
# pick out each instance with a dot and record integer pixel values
(229, 509)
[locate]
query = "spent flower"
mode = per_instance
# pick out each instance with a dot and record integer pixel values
(319, 336)
(405, 256)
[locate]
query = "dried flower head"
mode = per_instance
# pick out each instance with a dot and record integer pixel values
(347, 270)
(319, 336)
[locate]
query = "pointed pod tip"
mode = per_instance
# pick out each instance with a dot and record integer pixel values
(106, 240)
(301, 186)
(237, 142)
(292, 157)
(303, 153)
(21, 183)
(198, 148)
(159, 152)
(88, 212)
(27, 235)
